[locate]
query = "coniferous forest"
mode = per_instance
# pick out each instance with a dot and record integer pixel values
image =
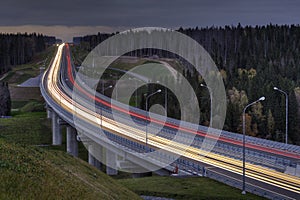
(252, 61)
(16, 49)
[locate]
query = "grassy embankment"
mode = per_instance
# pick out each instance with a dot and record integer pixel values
(30, 169)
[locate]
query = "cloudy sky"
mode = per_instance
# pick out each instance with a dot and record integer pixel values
(68, 18)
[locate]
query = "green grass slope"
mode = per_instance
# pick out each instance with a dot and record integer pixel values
(184, 188)
(35, 173)
(31, 172)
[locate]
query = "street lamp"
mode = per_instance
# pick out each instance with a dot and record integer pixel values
(166, 101)
(286, 112)
(158, 91)
(244, 138)
(210, 92)
(103, 90)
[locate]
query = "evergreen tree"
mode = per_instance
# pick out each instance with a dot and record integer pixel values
(271, 125)
(5, 101)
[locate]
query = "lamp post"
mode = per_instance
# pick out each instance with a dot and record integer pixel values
(210, 93)
(116, 93)
(166, 101)
(244, 138)
(103, 90)
(158, 91)
(286, 112)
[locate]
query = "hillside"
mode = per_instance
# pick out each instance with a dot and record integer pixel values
(34, 173)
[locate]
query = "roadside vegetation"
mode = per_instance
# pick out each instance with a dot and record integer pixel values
(184, 188)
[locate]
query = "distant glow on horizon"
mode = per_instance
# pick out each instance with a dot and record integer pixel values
(67, 18)
(66, 33)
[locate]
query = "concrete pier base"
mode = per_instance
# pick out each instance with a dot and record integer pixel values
(132, 168)
(98, 164)
(111, 163)
(72, 144)
(140, 175)
(56, 132)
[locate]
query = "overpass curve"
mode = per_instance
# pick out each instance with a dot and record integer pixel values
(57, 93)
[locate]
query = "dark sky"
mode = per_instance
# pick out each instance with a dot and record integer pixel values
(138, 13)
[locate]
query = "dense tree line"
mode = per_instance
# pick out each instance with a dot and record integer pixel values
(252, 60)
(5, 102)
(89, 42)
(19, 48)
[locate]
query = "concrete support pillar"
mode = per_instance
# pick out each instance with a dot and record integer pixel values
(95, 150)
(91, 158)
(49, 114)
(111, 163)
(56, 132)
(72, 144)
(98, 164)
